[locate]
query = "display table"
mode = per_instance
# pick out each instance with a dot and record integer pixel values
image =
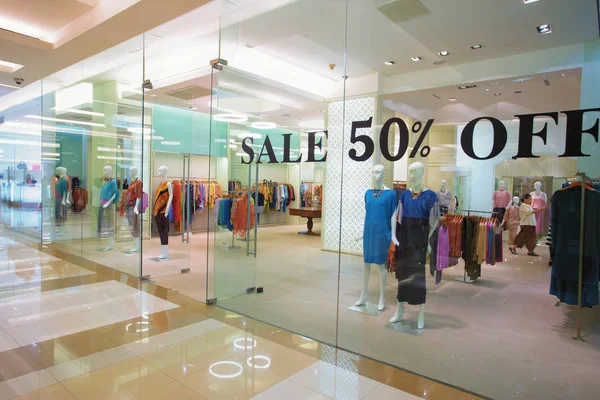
(309, 214)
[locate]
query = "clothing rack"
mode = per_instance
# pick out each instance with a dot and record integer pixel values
(464, 278)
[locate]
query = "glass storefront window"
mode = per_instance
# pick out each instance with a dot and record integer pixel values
(353, 178)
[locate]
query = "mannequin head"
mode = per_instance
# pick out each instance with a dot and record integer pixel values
(515, 201)
(537, 186)
(501, 185)
(163, 171)
(107, 171)
(133, 171)
(443, 185)
(416, 171)
(61, 171)
(378, 171)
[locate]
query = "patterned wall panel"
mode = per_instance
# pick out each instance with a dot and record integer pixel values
(346, 180)
(388, 178)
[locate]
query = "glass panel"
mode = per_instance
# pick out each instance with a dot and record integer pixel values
(20, 163)
(272, 93)
(93, 116)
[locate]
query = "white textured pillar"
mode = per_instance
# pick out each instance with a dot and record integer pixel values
(346, 180)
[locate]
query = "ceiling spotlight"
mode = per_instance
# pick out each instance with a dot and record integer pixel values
(529, 1)
(416, 59)
(497, 94)
(444, 53)
(487, 90)
(520, 80)
(518, 91)
(476, 46)
(467, 87)
(390, 62)
(451, 99)
(544, 29)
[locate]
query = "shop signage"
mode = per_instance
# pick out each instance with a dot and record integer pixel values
(573, 139)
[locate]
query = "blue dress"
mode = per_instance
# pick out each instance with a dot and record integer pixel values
(377, 233)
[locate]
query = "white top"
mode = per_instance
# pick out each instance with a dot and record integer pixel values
(527, 215)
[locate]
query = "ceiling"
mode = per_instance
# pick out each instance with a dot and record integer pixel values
(40, 19)
(502, 99)
(287, 46)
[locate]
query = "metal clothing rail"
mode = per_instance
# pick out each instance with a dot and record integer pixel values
(465, 279)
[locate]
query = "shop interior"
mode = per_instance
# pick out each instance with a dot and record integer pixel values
(483, 332)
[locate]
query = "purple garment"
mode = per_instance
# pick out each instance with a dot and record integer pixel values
(103, 202)
(443, 249)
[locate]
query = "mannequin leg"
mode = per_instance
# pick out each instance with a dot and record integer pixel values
(110, 244)
(136, 245)
(399, 313)
(164, 252)
(421, 320)
(382, 281)
(365, 288)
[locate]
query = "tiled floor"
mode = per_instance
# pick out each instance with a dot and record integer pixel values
(99, 334)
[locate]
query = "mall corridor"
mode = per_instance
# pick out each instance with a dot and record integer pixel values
(72, 329)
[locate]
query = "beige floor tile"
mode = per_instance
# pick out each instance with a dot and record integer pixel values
(24, 384)
(231, 379)
(53, 392)
(126, 380)
(173, 391)
(186, 358)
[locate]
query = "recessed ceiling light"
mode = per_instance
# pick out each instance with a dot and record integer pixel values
(476, 46)
(522, 79)
(416, 58)
(467, 87)
(518, 91)
(451, 99)
(444, 53)
(544, 29)
(487, 90)
(497, 94)
(529, 1)
(390, 62)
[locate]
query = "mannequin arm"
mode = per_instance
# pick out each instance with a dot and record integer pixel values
(168, 208)
(393, 222)
(68, 197)
(136, 207)
(109, 202)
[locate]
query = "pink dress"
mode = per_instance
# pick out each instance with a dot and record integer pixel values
(512, 219)
(501, 198)
(541, 218)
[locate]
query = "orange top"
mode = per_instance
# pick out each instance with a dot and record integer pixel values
(134, 192)
(161, 199)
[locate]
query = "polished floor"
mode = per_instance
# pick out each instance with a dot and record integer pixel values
(509, 308)
(74, 329)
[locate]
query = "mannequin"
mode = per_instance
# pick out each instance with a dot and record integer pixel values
(109, 195)
(62, 195)
(500, 199)
(539, 200)
(134, 195)
(417, 216)
(446, 199)
(380, 204)
(512, 219)
(162, 205)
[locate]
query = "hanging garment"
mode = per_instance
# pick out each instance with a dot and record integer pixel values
(377, 231)
(566, 213)
(416, 216)
(473, 269)
(79, 200)
(442, 253)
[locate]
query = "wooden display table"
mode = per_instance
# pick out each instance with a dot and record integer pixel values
(309, 214)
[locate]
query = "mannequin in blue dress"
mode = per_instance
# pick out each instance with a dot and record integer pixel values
(417, 215)
(380, 205)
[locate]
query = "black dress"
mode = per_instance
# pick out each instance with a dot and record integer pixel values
(413, 235)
